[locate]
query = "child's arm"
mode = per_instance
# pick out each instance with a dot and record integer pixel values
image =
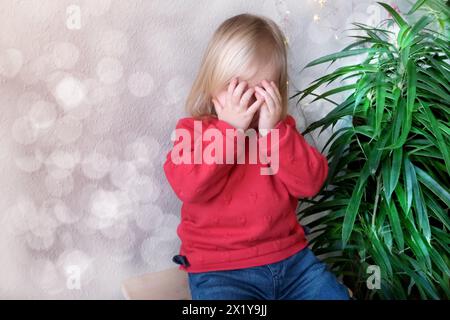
(199, 182)
(302, 168)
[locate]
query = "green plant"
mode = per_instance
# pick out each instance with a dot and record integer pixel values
(386, 196)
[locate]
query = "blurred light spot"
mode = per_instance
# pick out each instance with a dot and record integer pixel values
(26, 101)
(81, 112)
(66, 239)
(70, 92)
(64, 214)
(95, 92)
(45, 224)
(68, 129)
(104, 204)
(42, 114)
(149, 217)
(95, 165)
(64, 159)
(145, 189)
(143, 152)
(108, 208)
(4, 147)
(39, 243)
(45, 275)
(109, 70)
(36, 11)
(29, 162)
(11, 61)
(65, 55)
(113, 43)
(117, 230)
(95, 8)
(155, 252)
(39, 69)
(101, 121)
(140, 84)
(171, 222)
(23, 131)
(127, 202)
(176, 90)
(19, 216)
(59, 183)
(123, 174)
(122, 248)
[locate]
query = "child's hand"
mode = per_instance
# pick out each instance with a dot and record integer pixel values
(235, 110)
(270, 113)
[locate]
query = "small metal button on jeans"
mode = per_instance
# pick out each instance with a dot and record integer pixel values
(179, 259)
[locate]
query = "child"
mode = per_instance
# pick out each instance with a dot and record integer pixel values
(239, 231)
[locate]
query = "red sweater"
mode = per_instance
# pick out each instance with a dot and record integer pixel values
(232, 216)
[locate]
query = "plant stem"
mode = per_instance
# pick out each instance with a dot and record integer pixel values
(377, 196)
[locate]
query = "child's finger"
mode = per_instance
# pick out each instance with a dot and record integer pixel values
(232, 85)
(246, 97)
(267, 98)
(255, 106)
(268, 87)
(258, 96)
(238, 92)
(230, 90)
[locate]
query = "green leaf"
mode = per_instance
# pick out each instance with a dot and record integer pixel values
(380, 102)
(352, 209)
(408, 178)
(339, 55)
(394, 218)
(410, 99)
(395, 169)
(420, 207)
(416, 6)
(434, 186)
(397, 18)
(434, 127)
(334, 91)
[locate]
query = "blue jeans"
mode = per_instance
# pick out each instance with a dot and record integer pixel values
(299, 277)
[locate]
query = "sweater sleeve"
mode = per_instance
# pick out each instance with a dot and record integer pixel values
(301, 167)
(192, 176)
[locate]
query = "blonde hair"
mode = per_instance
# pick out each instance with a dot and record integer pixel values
(237, 42)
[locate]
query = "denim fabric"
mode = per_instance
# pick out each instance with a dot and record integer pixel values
(299, 277)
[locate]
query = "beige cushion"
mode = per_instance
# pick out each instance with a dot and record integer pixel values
(170, 284)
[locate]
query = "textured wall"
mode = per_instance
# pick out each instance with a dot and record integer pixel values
(89, 93)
